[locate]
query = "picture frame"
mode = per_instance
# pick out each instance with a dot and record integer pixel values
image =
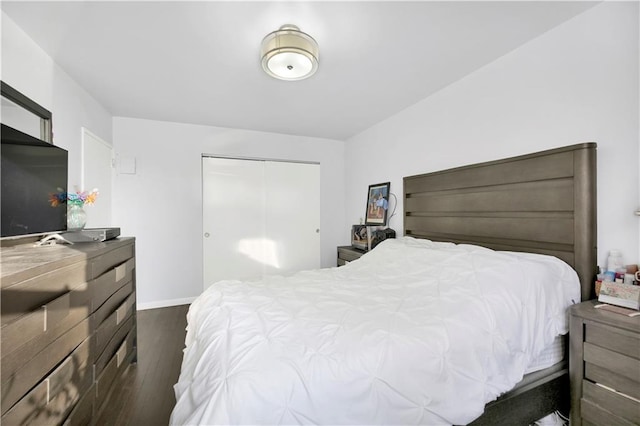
(377, 204)
(360, 237)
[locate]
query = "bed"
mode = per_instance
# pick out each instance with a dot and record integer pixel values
(421, 330)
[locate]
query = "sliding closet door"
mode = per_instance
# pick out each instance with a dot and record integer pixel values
(233, 201)
(292, 212)
(259, 217)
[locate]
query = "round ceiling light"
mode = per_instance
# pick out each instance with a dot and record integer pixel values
(289, 54)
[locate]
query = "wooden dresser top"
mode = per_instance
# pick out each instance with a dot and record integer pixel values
(23, 261)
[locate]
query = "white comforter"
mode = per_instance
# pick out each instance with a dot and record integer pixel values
(414, 332)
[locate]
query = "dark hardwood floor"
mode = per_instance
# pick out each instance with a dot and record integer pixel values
(146, 396)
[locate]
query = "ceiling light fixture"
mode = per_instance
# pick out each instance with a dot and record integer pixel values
(289, 54)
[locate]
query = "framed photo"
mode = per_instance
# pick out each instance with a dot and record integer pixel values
(360, 236)
(377, 204)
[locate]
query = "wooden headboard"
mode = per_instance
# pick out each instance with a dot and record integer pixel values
(540, 203)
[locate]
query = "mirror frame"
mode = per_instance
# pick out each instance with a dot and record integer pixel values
(46, 128)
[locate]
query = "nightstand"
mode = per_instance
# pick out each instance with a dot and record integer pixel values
(604, 366)
(348, 253)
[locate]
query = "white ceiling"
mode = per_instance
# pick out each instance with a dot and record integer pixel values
(198, 62)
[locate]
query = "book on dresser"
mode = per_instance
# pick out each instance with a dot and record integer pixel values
(68, 329)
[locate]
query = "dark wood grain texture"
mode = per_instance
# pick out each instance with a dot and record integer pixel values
(48, 349)
(543, 202)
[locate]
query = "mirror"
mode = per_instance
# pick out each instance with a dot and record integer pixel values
(23, 114)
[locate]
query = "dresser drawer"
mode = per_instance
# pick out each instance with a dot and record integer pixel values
(30, 295)
(614, 339)
(114, 368)
(82, 413)
(112, 346)
(111, 259)
(51, 400)
(107, 329)
(110, 281)
(111, 304)
(27, 336)
(15, 386)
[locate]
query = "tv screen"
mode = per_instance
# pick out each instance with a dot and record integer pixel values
(31, 171)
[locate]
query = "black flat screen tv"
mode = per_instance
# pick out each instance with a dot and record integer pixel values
(32, 170)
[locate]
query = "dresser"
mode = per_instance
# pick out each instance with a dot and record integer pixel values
(68, 329)
(604, 366)
(348, 253)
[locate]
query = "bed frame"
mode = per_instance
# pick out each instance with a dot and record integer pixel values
(540, 203)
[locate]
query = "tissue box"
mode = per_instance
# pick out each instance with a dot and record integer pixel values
(620, 294)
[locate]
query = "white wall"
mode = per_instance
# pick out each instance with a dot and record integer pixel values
(576, 83)
(161, 204)
(28, 69)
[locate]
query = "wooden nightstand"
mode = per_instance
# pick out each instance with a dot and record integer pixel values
(604, 366)
(348, 253)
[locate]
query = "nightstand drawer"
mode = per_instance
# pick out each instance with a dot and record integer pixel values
(613, 338)
(348, 255)
(618, 406)
(596, 415)
(624, 384)
(612, 361)
(612, 358)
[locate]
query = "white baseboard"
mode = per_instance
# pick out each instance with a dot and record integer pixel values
(164, 303)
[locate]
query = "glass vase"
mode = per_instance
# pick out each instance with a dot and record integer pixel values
(76, 217)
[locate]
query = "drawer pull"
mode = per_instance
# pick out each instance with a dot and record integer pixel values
(56, 310)
(121, 354)
(121, 272)
(121, 312)
(48, 383)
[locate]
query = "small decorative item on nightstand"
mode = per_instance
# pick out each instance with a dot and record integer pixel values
(379, 236)
(620, 294)
(359, 236)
